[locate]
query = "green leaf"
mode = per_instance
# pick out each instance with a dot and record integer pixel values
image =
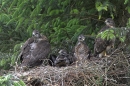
(74, 11)
(19, 23)
(126, 1)
(4, 18)
(22, 83)
(12, 4)
(128, 8)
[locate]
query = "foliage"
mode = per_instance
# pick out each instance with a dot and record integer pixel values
(8, 81)
(5, 60)
(107, 34)
(61, 21)
(121, 33)
(8, 36)
(113, 33)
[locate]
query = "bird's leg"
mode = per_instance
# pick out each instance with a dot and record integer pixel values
(16, 65)
(113, 46)
(101, 54)
(105, 54)
(76, 64)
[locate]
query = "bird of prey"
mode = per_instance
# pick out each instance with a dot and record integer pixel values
(62, 59)
(103, 45)
(81, 51)
(34, 50)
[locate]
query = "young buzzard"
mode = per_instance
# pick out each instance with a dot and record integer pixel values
(81, 51)
(34, 50)
(62, 59)
(103, 45)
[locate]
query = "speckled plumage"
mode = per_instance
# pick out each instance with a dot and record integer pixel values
(81, 49)
(62, 59)
(34, 50)
(103, 45)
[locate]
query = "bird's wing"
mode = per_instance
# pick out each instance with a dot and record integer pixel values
(100, 45)
(104, 28)
(78, 45)
(86, 48)
(26, 48)
(42, 50)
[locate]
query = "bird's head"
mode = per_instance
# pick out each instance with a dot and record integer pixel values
(81, 38)
(36, 34)
(110, 22)
(63, 52)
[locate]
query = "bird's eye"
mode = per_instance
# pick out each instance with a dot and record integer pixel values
(37, 33)
(63, 55)
(80, 37)
(108, 21)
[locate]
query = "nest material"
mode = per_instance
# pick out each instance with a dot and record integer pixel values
(107, 71)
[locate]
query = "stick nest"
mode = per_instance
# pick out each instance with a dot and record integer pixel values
(112, 70)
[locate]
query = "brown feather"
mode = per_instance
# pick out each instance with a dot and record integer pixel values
(34, 51)
(81, 50)
(101, 44)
